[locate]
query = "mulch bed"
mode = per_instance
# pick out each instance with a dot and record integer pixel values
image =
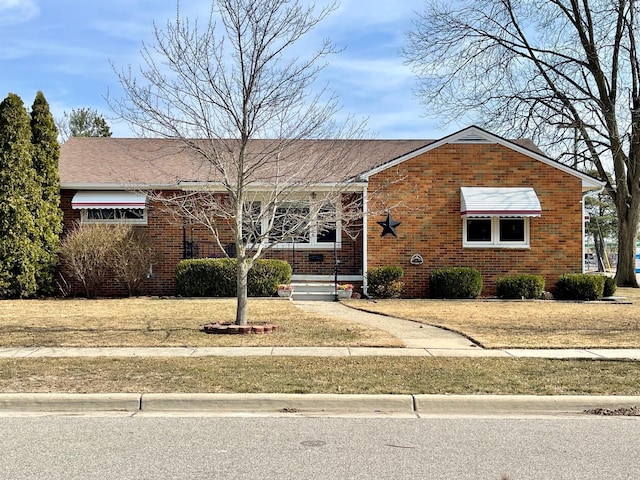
(233, 329)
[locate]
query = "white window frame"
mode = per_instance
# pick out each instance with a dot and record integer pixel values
(495, 233)
(84, 217)
(313, 243)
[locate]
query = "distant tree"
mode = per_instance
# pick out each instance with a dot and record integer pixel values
(20, 248)
(47, 212)
(602, 225)
(83, 122)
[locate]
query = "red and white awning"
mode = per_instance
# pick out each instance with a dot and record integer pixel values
(108, 199)
(499, 202)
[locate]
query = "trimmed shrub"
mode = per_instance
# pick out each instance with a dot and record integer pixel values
(579, 286)
(455, 282)
(266, 275)
(609, 287)
(384, 282)
(520, 286)
(216, 277)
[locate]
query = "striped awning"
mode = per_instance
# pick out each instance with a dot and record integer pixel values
(499, 202)
(108, 199)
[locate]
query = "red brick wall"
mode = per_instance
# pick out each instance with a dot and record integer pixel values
(429, 198)
(167, 233)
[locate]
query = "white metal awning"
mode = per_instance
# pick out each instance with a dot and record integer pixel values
(499, 202)
(108, 199)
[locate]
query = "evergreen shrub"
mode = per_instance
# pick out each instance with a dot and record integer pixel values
(609, 287)
(216, 277)
(384, 282)
(579, 286)
(520, 286)
(455, 282)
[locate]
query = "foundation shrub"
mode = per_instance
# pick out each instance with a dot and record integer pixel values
(455, 282)
(520, 286)
(216, 277)
(266, 275)
(579, 286)
(93, 253)
(384, 282)
(609, 287)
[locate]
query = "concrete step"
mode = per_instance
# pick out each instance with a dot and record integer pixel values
(313, 291)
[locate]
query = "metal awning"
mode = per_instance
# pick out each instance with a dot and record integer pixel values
(108, 199)
(499, 202)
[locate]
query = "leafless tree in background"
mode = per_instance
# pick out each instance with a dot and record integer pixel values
(235, 94)
(563, 72)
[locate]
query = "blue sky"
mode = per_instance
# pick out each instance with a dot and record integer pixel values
(66, 47)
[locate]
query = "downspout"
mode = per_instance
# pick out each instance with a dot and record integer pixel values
(365, 239)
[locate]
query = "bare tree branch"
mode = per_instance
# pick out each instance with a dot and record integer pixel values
(233, 93)
(562, 72)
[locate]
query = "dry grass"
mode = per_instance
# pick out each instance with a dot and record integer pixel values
(151, 322)
(526, 324)
(372, 375)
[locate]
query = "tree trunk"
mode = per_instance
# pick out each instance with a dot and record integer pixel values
(627, 233)
(241, 282)
(598, 243)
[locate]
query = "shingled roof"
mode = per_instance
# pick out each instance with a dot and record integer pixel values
(103, 163)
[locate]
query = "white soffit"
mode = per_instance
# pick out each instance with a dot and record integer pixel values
(108, 199)
(499, 202)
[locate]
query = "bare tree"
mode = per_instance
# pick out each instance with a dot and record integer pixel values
(564, 72)
(237, 98)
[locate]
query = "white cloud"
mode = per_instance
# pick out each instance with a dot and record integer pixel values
(17, 11)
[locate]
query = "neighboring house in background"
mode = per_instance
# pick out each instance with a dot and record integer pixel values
(469, 199)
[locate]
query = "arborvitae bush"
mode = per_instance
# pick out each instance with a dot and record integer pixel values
(579, 286)
(384, 282)
(455, 282)
(520, 286)
(216, 277)
(20, 242)
(46, 211)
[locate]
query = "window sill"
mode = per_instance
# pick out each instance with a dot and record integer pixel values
(498, 246)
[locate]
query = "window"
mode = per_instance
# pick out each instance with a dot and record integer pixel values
(111, 207)
(497, 217)
(291, 223)
(327, 228)
(478, 230)
(512, 230)
(496, 232)
(300, 223)
(114, 215)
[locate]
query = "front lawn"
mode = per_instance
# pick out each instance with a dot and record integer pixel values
(153, 322)
(526, 324)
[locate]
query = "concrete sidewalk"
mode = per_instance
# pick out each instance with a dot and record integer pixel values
(60, 352)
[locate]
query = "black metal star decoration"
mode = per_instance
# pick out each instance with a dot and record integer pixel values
(389, 226)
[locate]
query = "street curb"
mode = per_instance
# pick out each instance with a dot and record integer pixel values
(274, 403)
(518, 404)
(415, 405)
(69, 402)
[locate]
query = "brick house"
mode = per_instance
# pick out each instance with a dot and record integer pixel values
(469, 199)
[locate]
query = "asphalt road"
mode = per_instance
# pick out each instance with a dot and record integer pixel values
(205, 447)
